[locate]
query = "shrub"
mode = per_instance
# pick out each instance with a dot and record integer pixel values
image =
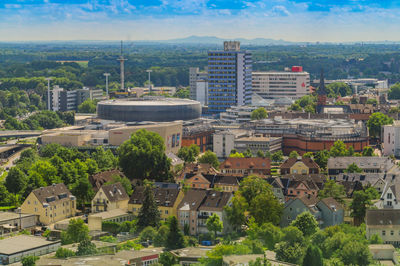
(64, 253)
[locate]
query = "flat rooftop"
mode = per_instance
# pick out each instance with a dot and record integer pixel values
(21, 243)
(192, 252)
(109, 214)
(5, 216)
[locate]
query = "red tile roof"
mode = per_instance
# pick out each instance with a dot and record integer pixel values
(307, 161)
(246, 163)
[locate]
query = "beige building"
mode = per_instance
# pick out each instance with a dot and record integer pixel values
(52, 203)
(117, 215)
(110, 197)
(76, 138)
(385, 223)
(171, 132)
(167, 200)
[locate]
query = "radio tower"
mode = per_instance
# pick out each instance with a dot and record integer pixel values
(121, 60)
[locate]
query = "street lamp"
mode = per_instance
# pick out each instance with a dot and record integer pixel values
(107, 75)
(149, 71)
(48, 93)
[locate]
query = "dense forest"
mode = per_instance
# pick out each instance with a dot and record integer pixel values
(76, 64)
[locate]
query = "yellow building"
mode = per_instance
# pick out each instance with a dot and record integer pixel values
(171, 132)
(110, 197)
(299, 165)
(52, 203)
(167, 200)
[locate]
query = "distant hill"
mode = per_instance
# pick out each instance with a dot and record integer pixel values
(215, 40)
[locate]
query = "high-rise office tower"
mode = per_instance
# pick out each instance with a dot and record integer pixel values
(198, 81)
(229, 78)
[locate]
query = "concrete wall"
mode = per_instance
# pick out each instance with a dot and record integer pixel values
(67, 139)
(170, 132)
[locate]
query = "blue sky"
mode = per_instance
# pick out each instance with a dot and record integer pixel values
(292, 20)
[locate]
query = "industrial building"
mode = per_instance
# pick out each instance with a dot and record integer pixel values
(149, 109)
(294, 83)
(229, 77)
(12, 221)
(13, 249)
(312, 135)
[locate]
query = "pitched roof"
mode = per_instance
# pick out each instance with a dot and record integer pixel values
(115, 192)
(215, 201)
(198, 177)
(373, 162)
(350, 187)
(194, 168)
(383, 217)
(395, 190)
(53, 194)
(307, 162)
(226, 180)
(332, 204)
(97, 180)
(192, 199)
(318, 179)
(162, 196)
(309, 200)
(275, 182)
(246, 163)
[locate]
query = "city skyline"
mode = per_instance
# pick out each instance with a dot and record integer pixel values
(296, 21)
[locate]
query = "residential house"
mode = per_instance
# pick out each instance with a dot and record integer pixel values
(277, 188)
(192, 169)
(337, 165)
(110, 197)
(198, 181)
(167, 200)
(226, 183)
(52, 203)
(246, 166)
(99, 179)
(376, 180)
(327, 211)
(385, 223)
(350, 187)
(197, 205)
(300, 165)
(390, 198)
(298, 185)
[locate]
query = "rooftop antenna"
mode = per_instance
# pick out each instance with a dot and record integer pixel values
(122, 60)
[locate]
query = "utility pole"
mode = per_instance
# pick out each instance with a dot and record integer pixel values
(48, 93)
(149, 71)
(106, 75)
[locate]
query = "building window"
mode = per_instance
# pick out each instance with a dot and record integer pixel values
(166, 211)
(29, 202)
(389, 203)
(389, 196)
(391, 232)
(383, 232)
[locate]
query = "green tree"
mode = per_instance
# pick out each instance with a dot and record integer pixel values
(105, 159)
(87, 107)
(143, 156)
(124, 182)
(295, 107)
(214, 224)
(148, 233)
(189, 154)
(361, 201)
(294, 154)
(160, 238)
(338, 89)
(334, 190)
(29, 260)
(356, 253)
(308, 155)
(86, 247)
(338, 149)
(236, 155)
(167, 259)
(309, 109)
(270, 235)
(175, 237)
(63, 253)
(307, 223)
(321, 158)
(375, 239)
(148, 213)
(83, 190)
(260, 154)
(375, 123)
(292, 235)
(372, 101)
(46, 171)
(353, 168)
(247, 153)
(235, 211)
(289, 253)
(259, 113)
(368, 151)
(313, 257)
(210, 158)
(77, 231)
(394, 92)
(16, 180)
(277, 156)
(182, 93)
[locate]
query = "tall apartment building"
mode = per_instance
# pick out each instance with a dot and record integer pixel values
(63, 100)
(198, 81)
(273, 85)
(229, 78)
